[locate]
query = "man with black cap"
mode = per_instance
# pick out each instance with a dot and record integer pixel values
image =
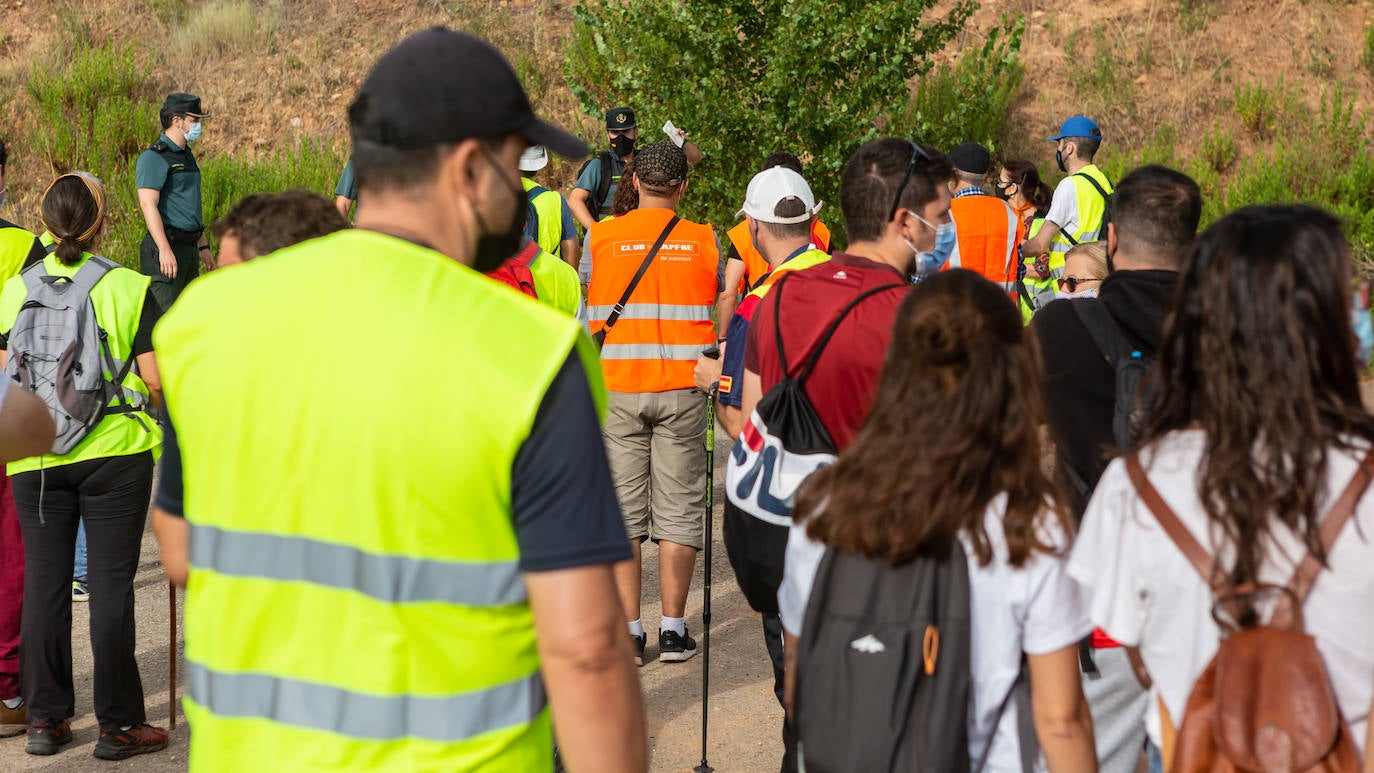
(439, 511)
(168, 180)
(987, 227)
(594, 190)
(655, 280)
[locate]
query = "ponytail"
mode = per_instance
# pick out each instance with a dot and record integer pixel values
(74, 213)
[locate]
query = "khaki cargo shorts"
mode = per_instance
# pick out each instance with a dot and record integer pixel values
(656, 443)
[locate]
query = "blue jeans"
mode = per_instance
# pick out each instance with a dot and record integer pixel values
(79, 570)
(1154, 756)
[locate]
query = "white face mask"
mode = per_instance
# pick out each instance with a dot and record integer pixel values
(1067, 296)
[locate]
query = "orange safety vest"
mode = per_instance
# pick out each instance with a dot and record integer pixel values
(755, 267)
(988, 231)
(667, 322)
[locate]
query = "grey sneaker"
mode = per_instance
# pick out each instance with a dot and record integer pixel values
(673, 648)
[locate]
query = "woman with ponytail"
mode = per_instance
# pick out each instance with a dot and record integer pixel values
(950, 455)
(101, 479)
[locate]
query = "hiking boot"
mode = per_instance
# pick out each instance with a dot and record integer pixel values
(116, 744)
(674, 648)
(81, 590)
(46, 738)
(14, 721)
(639, 641)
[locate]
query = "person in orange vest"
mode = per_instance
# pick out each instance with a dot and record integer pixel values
(745, 268)
(988, 227)
(652, 313)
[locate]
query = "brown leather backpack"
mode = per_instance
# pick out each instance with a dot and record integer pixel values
(1265, 702)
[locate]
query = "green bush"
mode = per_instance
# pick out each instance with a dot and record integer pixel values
(1101, 75)
(1265, 111)
(968, 99)
(1218, 149)
(1367, 52)
(750, 77)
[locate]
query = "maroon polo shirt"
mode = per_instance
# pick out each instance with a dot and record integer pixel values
(845, 380)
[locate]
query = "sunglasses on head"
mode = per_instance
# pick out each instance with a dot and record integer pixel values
(916, 154)
(1071, 283)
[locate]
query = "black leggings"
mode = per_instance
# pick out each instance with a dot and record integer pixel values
(111, 496)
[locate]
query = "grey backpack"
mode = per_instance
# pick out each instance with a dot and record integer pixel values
(883, 669)
(58, 351)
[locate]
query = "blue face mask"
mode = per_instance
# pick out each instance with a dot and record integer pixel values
(1364, 329)
(193, 131)
(945, 240)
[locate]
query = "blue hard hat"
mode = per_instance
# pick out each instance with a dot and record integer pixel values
(1077, 126)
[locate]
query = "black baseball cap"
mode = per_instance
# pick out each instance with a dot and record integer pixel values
(181, 102)
(971, 157)
(618, 118)
(441, 86)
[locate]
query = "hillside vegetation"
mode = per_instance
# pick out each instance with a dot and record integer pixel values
(1258, 101)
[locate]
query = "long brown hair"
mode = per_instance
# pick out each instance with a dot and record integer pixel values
(1258, 352)
(74, 213)
(955, 423)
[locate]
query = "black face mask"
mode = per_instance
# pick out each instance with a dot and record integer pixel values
(493, 249)
(622, 146)
(1001, 188)
(1059, 159)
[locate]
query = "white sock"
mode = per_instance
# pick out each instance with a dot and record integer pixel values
(636, 627)
(125, 728)
(12, 703)
(675, 624)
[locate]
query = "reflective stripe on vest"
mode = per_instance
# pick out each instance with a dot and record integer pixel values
(1091, 210)
(987, 229)
(393, 579)
(755, 267)
(355, 600)
(667, 320)
(447, 719)
(652, 311)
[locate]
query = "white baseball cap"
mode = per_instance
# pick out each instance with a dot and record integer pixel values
(770, 188)
(534, 158)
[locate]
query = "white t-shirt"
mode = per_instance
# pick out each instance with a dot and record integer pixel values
(1064, 207)
(1036, 609)
(1146, 593)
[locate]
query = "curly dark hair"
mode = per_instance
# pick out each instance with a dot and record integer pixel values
(1258, 352)
(955, 423)
(267, 222)
(626, 198)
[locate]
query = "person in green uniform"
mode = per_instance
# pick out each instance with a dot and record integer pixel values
(168, 181)
(346, 190)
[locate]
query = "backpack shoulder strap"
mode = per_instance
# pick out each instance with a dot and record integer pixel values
(619, 307)
(603, 188)
(95, 270)
(810, 364)
(1025, 724)
(1193, 550)
(1336, 519)
(1106, 334)
(1095, 184)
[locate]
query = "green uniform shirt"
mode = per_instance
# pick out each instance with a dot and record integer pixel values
(348, 184)
(178, 180)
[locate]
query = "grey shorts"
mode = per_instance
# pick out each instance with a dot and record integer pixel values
(656, 443)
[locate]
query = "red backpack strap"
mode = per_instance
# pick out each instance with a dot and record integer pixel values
(1192, 550)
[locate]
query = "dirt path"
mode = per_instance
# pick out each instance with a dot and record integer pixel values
(744, 718)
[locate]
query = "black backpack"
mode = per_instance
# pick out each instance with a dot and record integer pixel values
(1133, 392)
(782, 443)
(883, 669)
(596, 203)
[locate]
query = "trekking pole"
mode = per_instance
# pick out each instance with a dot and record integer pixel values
(172, 660)
(714, 353)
